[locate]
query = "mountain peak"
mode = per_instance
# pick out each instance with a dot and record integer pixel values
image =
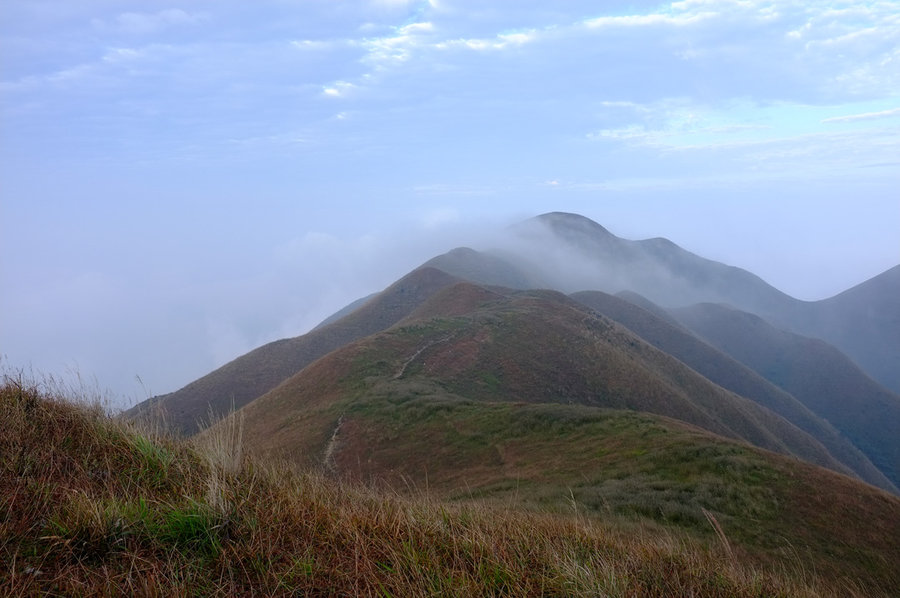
(570, 221)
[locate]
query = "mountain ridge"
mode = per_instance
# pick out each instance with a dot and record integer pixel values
(670, 337)
(249, 376)
(536, 347)
(550, 237)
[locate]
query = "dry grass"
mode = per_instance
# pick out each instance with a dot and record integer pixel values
(91, 506)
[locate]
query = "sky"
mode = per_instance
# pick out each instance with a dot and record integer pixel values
(182, 181)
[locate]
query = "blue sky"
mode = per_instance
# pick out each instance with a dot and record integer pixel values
(183, 181)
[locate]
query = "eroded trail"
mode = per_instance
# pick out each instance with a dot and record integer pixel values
(412, 358)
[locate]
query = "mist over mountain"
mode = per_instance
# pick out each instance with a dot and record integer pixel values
(246, 378)
(864, 322)
(571, 253)
(678, 361)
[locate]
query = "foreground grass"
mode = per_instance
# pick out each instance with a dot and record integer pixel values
(90, 506)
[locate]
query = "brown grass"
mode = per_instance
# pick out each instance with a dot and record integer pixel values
(90, 506)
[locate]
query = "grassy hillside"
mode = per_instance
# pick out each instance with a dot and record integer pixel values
(667, 335)
(626, 467)
(244, 379)
(816, 373)
(91, 506)
(529, 346)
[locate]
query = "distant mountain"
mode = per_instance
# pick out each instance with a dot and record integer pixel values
(864, 322)
(813, 371)
(569, 252)
(485, 268)
(575, 253)
(670, 337)
(250, 376)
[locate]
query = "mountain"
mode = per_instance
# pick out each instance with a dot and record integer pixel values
(477, 379)
(667, 335)
(485, 268)
(574, 253)
(864, 322)
(531, 400)
(528, 346)
(251, 375)
(814, 372)
(569, 252)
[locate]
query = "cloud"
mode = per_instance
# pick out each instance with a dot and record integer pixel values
(398, 47)
(338, 89)
(143, 23)
(647, 20)
(864, 116)
(501, 41)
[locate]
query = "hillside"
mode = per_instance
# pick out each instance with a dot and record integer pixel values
(621, 466)
(251, 375)
(474, 407)
(91, 506)
(814, 372)
(666, 335)
(531, 346)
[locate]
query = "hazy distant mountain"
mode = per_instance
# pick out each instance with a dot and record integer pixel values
(251, 375)
(864, 322)
(575, 253)
(813, 371)
(485, 268)
(667, 335)
(571, 253)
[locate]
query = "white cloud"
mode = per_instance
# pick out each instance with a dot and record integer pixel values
(338, 89)
(312, 44)
(864, 116)
(397, 47)
(651, 20)
(499, 42)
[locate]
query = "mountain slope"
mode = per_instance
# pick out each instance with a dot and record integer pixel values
(624, 466)
(484, 268)
(244, 379)
(518, 399)
(732, 375)
(535, 347)
(864, 322)
(817, 374)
